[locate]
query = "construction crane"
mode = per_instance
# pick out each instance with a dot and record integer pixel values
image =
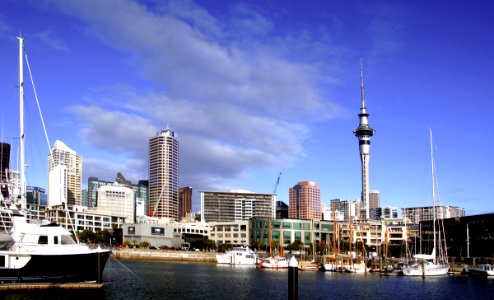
(277, 183)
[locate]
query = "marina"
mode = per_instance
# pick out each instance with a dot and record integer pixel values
(125, 279)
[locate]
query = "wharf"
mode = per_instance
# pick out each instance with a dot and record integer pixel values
(164, 255)
(48, 286)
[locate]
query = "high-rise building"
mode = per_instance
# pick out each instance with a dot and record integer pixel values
(305, 201)
(64, 176)
(364, 133)
(184, 201)
(374, 199)
(281, 210)
(163, 175)
(236, 205)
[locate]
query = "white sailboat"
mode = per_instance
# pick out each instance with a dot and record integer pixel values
(43, 252)
(435, 263)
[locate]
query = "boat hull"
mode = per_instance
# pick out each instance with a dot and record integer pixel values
(53, 268)
(482, 270)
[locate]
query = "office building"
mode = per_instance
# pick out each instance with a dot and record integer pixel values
(236, 205)
(305, 201)
(93, 184)
(118, 200)
(184, 202)
(64, 176)
(163, 175)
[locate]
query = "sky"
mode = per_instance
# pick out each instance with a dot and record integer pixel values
(255, 88)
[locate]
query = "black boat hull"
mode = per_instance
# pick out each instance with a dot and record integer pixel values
(57, 268)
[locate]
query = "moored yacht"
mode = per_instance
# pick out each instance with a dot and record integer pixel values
(277, 262)
(242, 255)
(482, 269)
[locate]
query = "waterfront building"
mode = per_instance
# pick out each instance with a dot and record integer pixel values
(235, 233)
(83, 218)
(118, 200)
(426, 213)
(305, 201)
(281, 210)
(184, 202)
(163, 175)
(287, 231)
(236, 205)
(64, 176)
(364, 133)
(468, 236)
(169, 235)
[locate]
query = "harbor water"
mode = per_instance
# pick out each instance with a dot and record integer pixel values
(127, 279)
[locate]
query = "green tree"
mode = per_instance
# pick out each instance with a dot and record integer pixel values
(258, 245)
(144, 245)
(297, 245)
(87, 236)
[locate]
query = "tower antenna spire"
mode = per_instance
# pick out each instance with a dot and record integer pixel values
(362, 84)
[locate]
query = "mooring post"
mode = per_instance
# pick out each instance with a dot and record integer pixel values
(293, 279)
(99, 278)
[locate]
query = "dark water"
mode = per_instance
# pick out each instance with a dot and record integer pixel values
(164, 280)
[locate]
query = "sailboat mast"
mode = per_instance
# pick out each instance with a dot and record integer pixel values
(433, 193)
(21, 124)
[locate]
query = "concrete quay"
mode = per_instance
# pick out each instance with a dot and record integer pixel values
(164, 255)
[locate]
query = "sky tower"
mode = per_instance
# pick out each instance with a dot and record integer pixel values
(364, 133)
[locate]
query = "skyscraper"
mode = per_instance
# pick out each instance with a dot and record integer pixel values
(163, 175)
(364, 133)
(64, 176)
(305, 201)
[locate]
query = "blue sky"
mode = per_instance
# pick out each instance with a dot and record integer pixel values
(254, 88)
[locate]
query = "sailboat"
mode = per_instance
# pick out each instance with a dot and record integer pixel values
(43, 252)
(435, 263)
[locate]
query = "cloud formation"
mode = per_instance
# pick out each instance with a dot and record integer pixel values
(235, 101)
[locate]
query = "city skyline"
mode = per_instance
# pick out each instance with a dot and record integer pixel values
(255, 88)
